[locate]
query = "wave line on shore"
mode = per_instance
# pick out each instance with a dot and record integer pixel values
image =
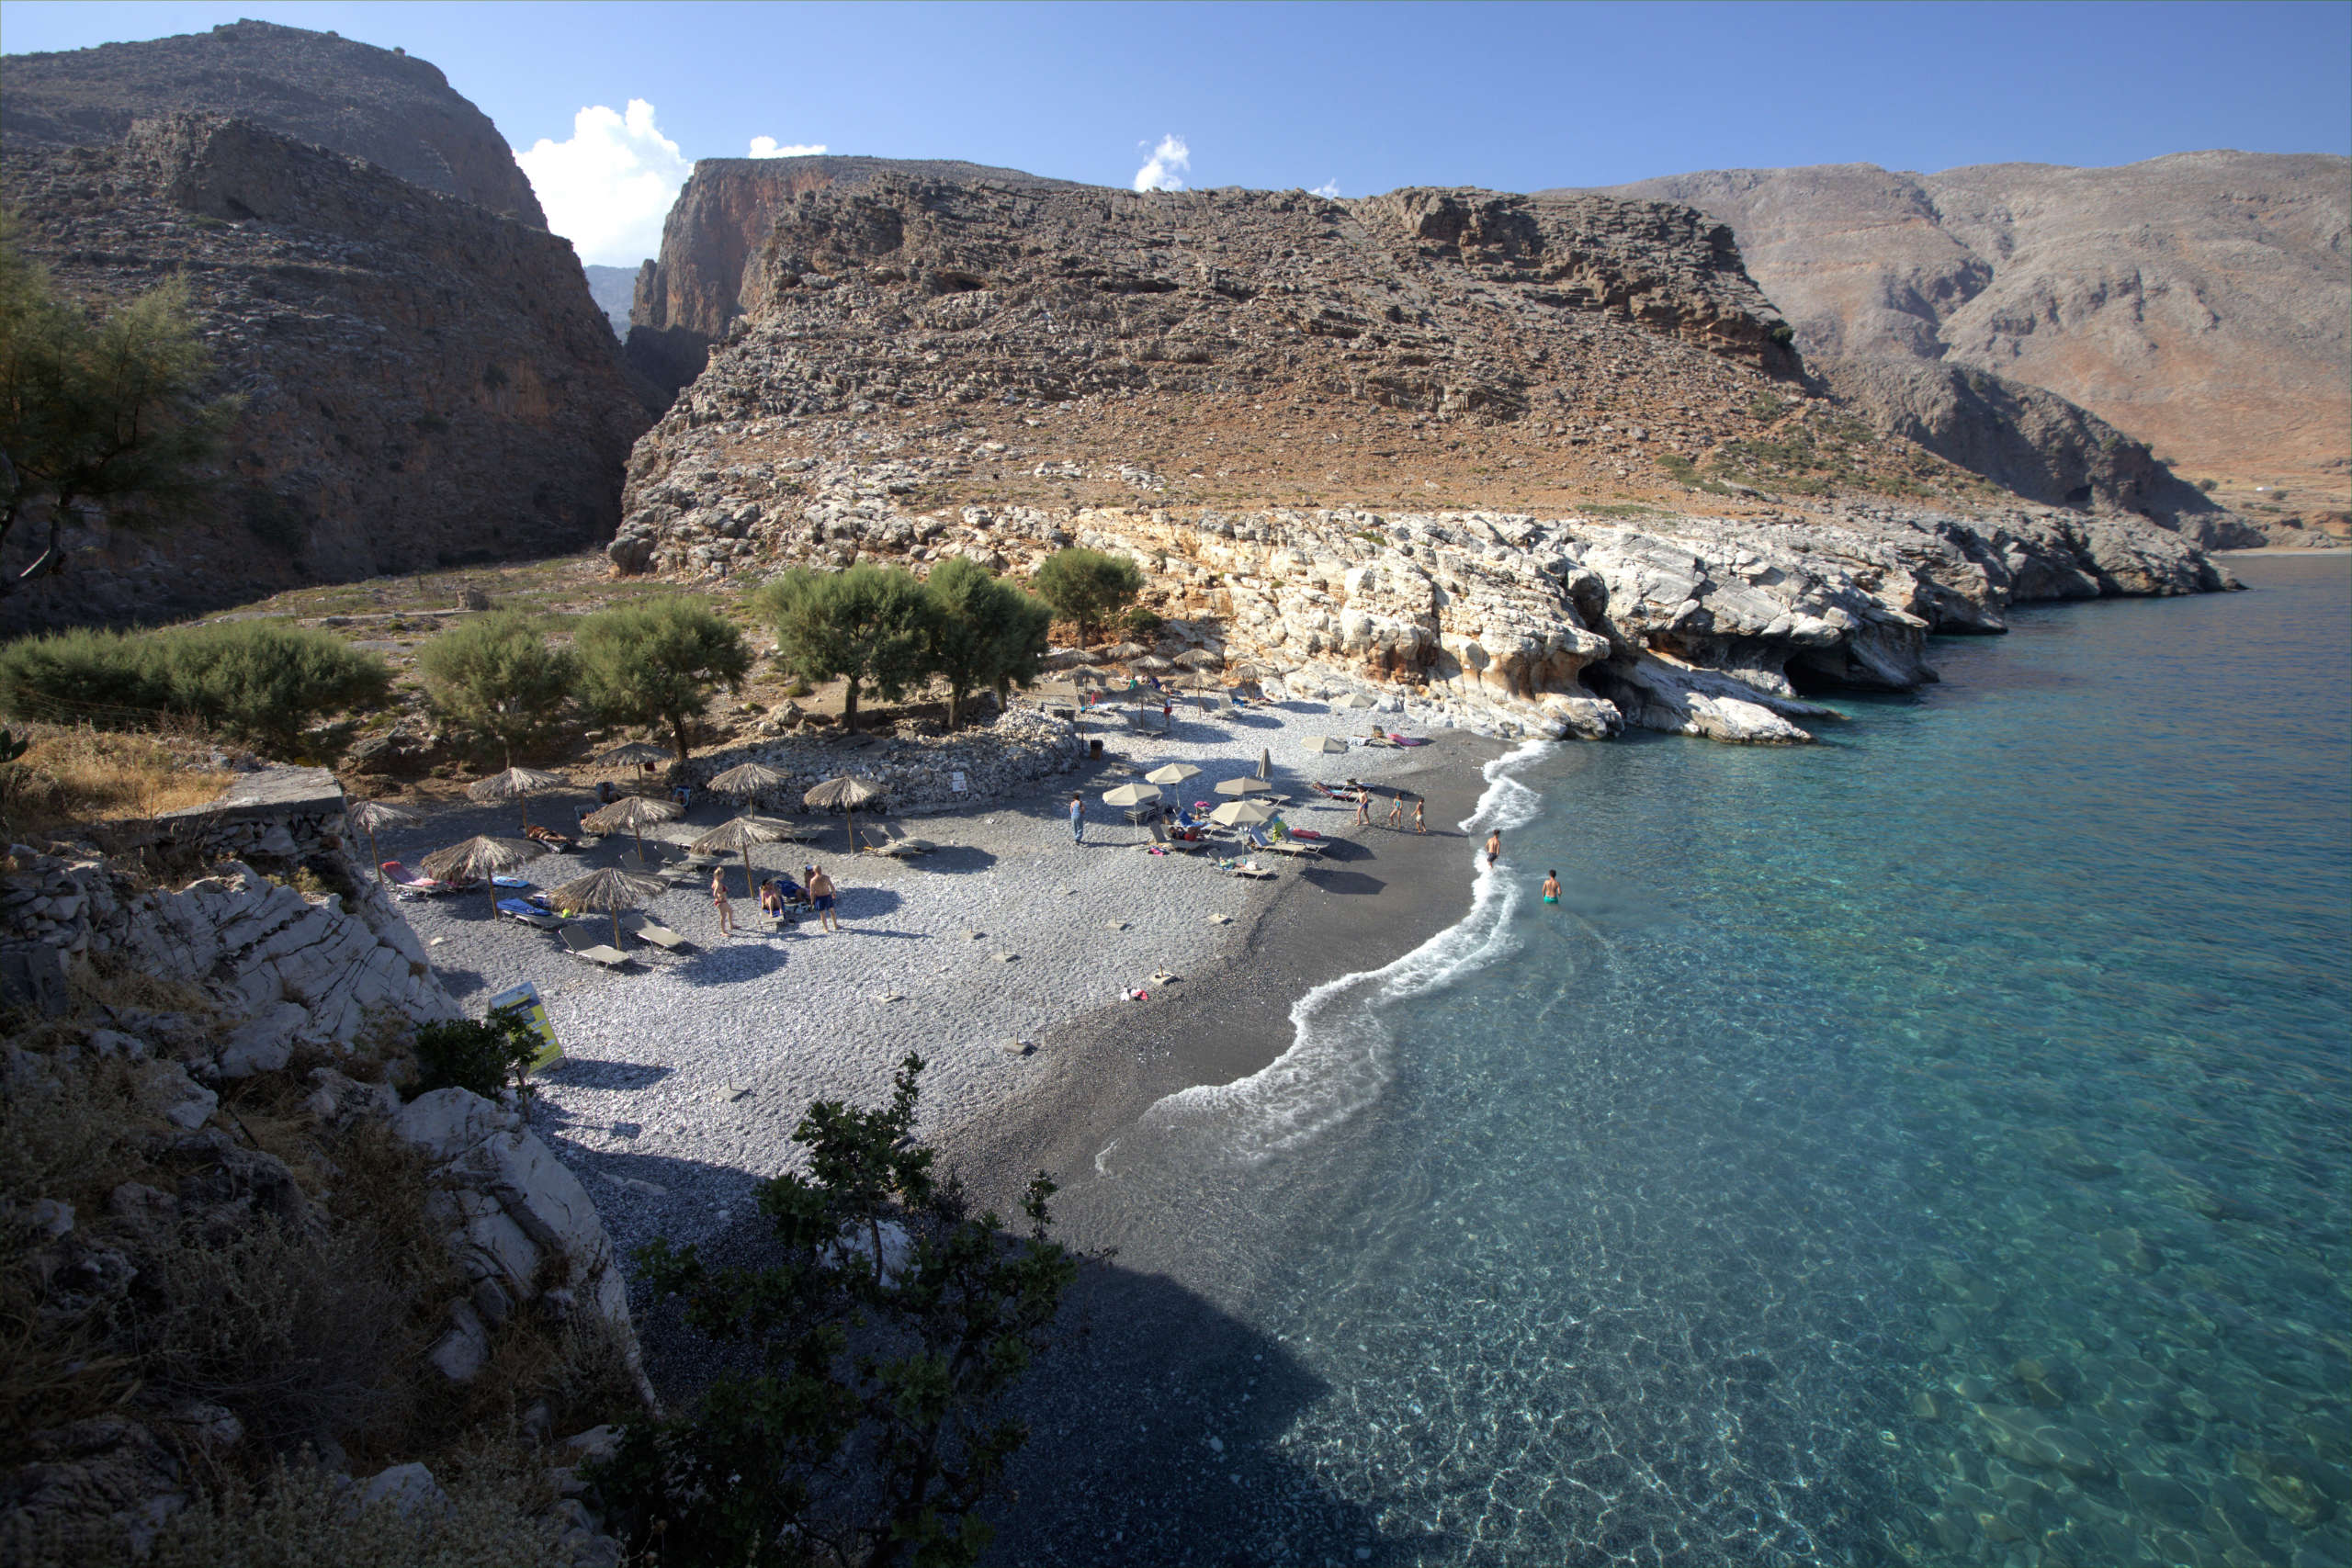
(1337, 1062)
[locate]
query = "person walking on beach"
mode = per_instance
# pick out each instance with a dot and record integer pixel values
(1551, 887)
(821, 893)
(1420, 814)
(1077, 818)
(719, 901)
(1494, 846)
(1364, 808)
(1397, 810)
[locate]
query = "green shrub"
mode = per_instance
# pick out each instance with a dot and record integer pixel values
(868, 627)
(499, 677)
(1086, 586)
(656, 663)
(256, 681)
(480, 1056)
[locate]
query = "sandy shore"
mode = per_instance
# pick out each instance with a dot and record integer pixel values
(685, 1074)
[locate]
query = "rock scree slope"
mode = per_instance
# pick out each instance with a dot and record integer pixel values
(2198, 302)
(1359, 439)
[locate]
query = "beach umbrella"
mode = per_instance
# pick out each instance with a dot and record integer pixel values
(745, 780)
(631, 754)
(1150, 664)
(1265, 763)
(736, 836)
(847, 793)
(481, 856)
(1063, 657)
(1331, 743)
(372, 815)
(609, 889)
(1120, 652)
(1241, 786)
(632, 814)
(514, 784)
(1356, 700)
(1242, 813)
(1173, 773)
(1197, 659)
(1129, 795)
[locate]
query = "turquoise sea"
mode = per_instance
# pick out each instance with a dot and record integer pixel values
(1930, 1146)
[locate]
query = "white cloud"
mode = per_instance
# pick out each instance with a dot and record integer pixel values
(609, 187)
(765, 147)
(1166, 168)
(1329, 190)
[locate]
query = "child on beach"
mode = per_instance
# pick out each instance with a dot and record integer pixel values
(1494, 846)
(1421, 815)
(1551, 887)
(1364, 808)
(1397, 811)
(1077, 819)
(719, 901)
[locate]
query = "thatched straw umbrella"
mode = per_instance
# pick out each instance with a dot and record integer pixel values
(1120, 652)
(514, 784)
(745, 780)
(631, 754)
(1063, 657)
(632, 814)
(481, 856)
(847, 793)
(1197, 659)
(609, 889)
(370, 817)
(736, 836)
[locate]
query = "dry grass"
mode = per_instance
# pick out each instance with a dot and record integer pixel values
(294, 1519)
(72, 776)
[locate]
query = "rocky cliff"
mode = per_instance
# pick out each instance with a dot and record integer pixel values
(1359, 440)
(2198, 302)
(379, 104)
(692, 295)
(424, 382)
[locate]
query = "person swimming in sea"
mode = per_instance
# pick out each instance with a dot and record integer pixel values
(1551, 887)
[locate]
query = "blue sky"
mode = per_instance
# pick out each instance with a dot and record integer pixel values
(1360, 99)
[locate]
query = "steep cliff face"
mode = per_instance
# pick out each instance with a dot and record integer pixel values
(1357, 440)
(2199, 303)
(693, 294)
(424, 382)
(377, 103)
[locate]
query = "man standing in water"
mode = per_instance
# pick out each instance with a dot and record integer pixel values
(1494, 846)
(1551, 887)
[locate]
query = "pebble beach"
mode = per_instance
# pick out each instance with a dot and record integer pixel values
(684, 1074)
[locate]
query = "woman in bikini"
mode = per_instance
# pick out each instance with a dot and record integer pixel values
(719, 901)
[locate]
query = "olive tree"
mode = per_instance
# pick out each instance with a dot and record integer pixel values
(983, 632)
(111, 409)
(867, 625)
(656, 663)
(1087, 587)
(888, 1325)
(500, 676)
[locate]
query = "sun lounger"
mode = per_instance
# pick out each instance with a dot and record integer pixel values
(1245, 868)
(560, 843)
(583, 940)
(530, 914)
(1294, 847)
(407, 884)
(1162, 839)
(654, 931)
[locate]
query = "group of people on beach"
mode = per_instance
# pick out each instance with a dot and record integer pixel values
(816, 893)
(1396, 809)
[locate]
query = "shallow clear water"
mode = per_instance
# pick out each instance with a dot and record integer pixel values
(1930, 1146)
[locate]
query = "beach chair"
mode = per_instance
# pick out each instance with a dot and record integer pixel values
(654, 932)
(1162, 839)
(584, 942)
(1296, 848)
(561, 843)
(530, 914)
(407, 884)
(1248, 868)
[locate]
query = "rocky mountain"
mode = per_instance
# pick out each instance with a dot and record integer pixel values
(2198, 302)
(425, 382)
(1365, 442)
(692, 295)
(613, 288)
(398, 112)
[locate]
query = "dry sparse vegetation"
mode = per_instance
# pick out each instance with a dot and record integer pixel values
(72, 774)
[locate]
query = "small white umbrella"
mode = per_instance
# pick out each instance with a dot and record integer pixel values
(372, 815)
(1356, 700)
(1241, 786)
(1173, 773)
(1129, 795)
(1330, 743)
(1242, 813)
